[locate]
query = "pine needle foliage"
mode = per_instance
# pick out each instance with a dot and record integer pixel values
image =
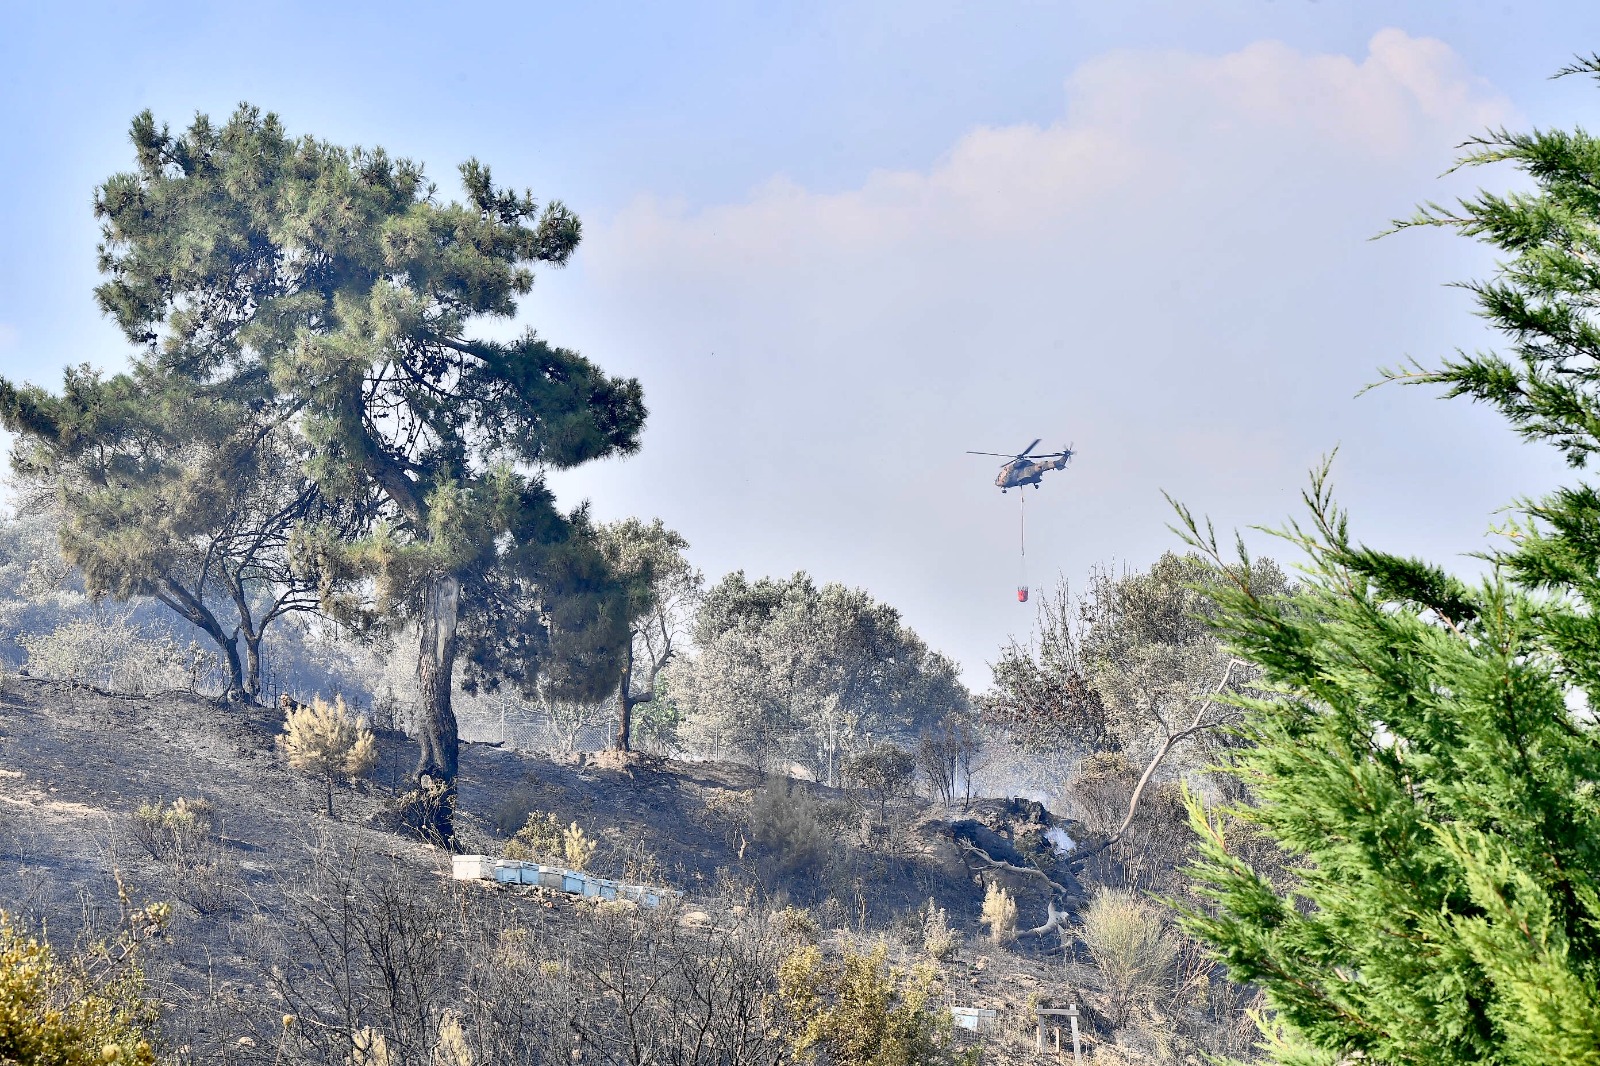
(577, 847)
(325, 740)
(1423, 749)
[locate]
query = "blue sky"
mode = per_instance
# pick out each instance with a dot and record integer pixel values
(842, 243)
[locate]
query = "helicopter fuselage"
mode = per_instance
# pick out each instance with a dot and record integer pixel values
(1020, 472)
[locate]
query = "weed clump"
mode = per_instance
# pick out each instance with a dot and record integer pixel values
(175, 831)
(999, 913)
(939, 941)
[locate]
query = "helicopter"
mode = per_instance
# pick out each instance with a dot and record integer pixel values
(1026, 468)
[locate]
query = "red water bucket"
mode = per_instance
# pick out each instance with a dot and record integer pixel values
(1022, 594)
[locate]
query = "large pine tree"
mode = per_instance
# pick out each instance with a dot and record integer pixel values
(330, 290)
(1424, 752)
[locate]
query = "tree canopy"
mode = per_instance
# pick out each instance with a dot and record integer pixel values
(165, 490)
(1121, 666)
(662, 590)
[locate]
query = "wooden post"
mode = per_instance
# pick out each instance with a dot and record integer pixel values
(1071, 1014)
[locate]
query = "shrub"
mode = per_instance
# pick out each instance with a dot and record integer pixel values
(857, 1011)
(325, 740)
(1130, 947)
(796, 923)
(368, 1047)
(426, 812)
(639, 864)
(510, 812)
(656, 724)
(784, 822)
(999, 913)
(886, 774)
(452, 1048)
(174, 832)
(181, 835)
(938, 939)
(59, 1012)
(539, 838)
(944, 755)
(110, 652)
(542, 838)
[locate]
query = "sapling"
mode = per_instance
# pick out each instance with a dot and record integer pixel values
(325, 740)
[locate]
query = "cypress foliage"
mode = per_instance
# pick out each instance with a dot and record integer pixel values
(1422, 748)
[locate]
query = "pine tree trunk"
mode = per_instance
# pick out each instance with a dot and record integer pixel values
(230, 653)
(436, 732)
(625, 701)
(194, 610)
(435, 670)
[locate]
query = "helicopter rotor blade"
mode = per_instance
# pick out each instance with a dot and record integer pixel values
(1002, 455)
(1024, 453)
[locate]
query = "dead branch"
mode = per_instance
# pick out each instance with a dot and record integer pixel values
(1054, 924)
(1172, 740)
(992, 863)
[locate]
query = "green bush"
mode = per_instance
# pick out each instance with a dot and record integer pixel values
(542, 839)
(858, 1011)
(81, 1011)
(538, 840)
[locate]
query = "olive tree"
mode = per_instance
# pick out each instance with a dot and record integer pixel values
(662, 590)
(788, 669)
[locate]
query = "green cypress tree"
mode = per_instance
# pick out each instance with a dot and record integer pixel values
(331, 290)
(1423, 751)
